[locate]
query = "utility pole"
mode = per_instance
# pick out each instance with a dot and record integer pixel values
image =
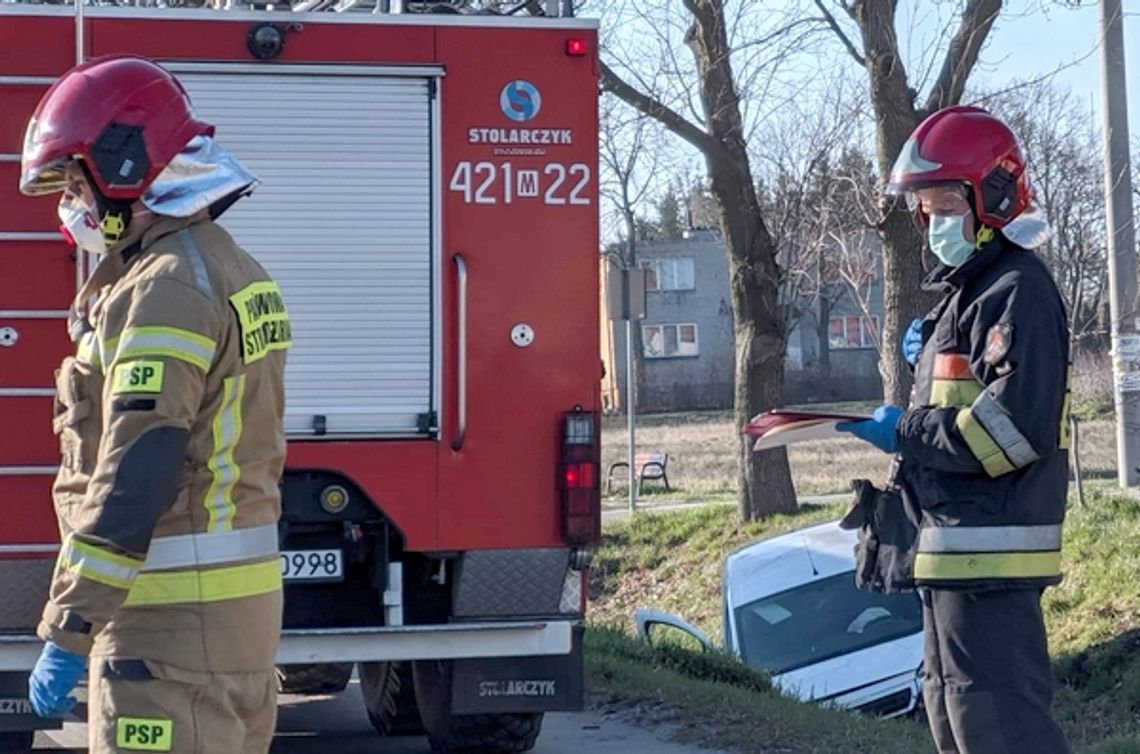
(1121, 247)
(630, 406)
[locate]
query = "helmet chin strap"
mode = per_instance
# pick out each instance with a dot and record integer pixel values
(114, 214)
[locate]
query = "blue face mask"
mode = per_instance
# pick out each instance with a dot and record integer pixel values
(946, 239)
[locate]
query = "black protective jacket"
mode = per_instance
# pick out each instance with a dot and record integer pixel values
(984, 445)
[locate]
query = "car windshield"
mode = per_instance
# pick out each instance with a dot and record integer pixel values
(821, 620)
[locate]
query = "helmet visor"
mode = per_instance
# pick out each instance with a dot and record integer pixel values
(911, 169)
(50, 178)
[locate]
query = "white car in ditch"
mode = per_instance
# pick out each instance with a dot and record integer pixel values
(791, 609)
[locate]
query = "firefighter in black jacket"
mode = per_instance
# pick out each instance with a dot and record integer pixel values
(982, 451)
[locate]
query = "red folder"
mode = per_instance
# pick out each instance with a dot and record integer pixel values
(783, 427)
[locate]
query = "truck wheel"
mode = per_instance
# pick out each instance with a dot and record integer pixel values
(390, 698)
(501, 733)
(17, 742)
(325, 678)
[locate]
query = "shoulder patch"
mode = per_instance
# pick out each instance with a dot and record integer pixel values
(141, 376)
(998, 340)
(262, 319)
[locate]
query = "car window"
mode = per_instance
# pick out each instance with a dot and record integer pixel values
(820, 620)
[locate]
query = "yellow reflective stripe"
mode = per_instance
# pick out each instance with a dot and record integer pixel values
(227, 427)
(215, 585)
(946, 393)
(983, 447)
(1066, 428)
(174, 342)
(95, 563)
(962, 566)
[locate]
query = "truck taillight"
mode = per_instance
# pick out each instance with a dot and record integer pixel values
(579, 480)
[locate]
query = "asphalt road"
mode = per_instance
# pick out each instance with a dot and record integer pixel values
(318, 725)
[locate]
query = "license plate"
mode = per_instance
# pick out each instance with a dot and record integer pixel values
(312, 565)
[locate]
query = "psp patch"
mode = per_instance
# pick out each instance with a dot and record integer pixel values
(142, 376)
(998, 340)
(144, 734)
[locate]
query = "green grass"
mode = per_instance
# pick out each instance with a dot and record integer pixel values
(673, 561)
(714, 701)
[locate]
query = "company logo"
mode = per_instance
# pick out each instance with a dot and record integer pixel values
(520, 100)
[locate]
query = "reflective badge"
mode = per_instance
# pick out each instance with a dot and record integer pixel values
(138, 377)
(263, 320)
(998, 340)
(144, 734)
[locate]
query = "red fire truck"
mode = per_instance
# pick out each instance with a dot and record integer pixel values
(429, 207)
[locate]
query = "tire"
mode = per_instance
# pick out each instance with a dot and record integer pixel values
(390, 698)
(326, 678)
(500, 733)
(16, 742)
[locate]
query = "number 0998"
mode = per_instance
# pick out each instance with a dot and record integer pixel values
(312, 565)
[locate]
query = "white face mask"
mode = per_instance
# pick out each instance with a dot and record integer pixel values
(946, 240)
(81, 225)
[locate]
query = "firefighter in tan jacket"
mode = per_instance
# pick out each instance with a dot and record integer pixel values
(170, 424)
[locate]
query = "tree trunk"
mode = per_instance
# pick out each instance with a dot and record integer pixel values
(895, 118)
(765, 480)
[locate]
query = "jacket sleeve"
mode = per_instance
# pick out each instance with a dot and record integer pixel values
(159, 344)
(1018, 351)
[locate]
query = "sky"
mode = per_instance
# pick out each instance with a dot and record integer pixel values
(1031, 39)
(1043, 36)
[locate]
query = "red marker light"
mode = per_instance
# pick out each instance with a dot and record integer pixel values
(575, 47)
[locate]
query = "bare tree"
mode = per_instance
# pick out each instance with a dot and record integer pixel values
(1063, 148)
(765, 483)
(897, 111)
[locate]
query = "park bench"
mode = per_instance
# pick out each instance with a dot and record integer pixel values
(649, 465)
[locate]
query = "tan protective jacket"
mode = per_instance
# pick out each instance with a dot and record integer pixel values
(170, 426)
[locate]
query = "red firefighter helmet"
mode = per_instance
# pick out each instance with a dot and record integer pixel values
(965, 144)
(124, 116)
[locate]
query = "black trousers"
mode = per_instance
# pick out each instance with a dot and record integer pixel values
(989, 686)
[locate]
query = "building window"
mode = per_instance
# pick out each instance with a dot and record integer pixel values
(853, 332)
(669, 274)
(664, 341)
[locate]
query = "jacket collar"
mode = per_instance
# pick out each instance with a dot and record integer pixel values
(115, 263)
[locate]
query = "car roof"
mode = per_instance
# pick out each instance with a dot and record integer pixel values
(800, 557)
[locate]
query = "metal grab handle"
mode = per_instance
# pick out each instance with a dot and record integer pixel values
(461, 371)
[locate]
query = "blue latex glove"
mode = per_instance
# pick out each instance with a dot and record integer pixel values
(912, 342)
(52, 680)
(881, 430)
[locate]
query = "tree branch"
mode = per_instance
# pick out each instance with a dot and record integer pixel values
(977, 19)
(657, 110)
(835, 27)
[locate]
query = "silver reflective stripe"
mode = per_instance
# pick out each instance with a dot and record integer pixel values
(911, 161)
(1000, 427)
(201, 277)
(214, 548)
(97, 564)
(990, 538)
(162, 341)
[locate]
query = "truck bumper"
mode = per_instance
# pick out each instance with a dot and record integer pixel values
(435, 642)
